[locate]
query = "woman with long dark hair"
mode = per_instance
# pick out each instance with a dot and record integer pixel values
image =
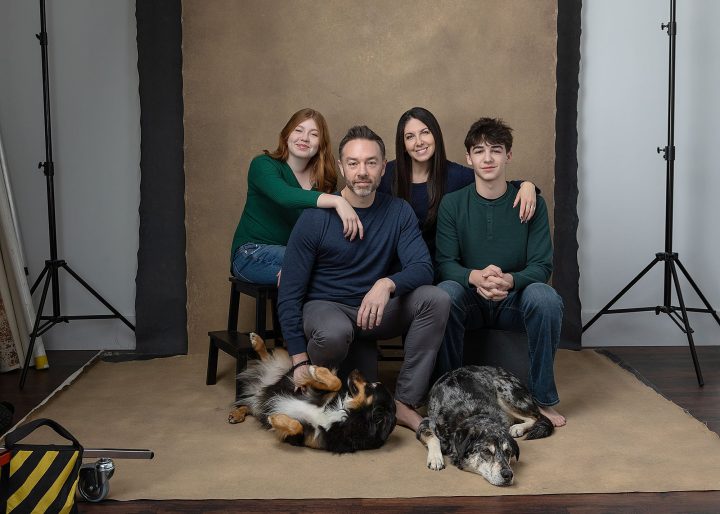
(422, 175)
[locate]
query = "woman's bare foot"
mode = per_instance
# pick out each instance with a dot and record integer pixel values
(407, 416)
(557, 419)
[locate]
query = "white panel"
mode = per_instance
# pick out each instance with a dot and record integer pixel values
(623, 118)
(96, 150)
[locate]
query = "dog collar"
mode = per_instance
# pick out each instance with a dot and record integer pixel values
(301, 363)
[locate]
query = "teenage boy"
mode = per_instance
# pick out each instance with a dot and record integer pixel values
(494, 267)
(335, 291)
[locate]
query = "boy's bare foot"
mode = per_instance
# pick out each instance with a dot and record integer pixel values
(407, 416)
(557, 419)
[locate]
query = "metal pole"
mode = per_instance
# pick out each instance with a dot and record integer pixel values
(49, 165)
(670, 154)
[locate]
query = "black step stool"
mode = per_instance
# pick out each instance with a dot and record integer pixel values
(237, 344)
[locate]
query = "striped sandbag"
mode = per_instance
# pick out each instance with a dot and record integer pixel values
(40, 478)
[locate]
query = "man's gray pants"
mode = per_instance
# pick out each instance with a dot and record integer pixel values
(420, 315)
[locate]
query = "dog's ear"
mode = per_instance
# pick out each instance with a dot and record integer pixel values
(515, 448)
(462, 442)
(358, 376)
(383, 423)
(355, 379)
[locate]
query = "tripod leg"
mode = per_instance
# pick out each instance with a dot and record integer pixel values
(33, 335)
(621, 293)
(688, 330)
(97, 295)
(37, 281)
(697, 290)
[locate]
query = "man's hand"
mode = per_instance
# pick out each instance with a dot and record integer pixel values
(373, 305)
(491, 283)
(301, 371)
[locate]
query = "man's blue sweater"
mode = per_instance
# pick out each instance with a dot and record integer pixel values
(321, 264)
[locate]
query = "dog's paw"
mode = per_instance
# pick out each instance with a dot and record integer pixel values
(258, 345)
(284, 425)
(518, 430)
(337, 416)
(435, 461)
(237, 415)
(323, 379)
(313, 371)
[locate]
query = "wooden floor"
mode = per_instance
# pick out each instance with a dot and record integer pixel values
(669, 370)
(39, 384)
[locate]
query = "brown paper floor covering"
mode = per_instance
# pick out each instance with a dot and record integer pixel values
(621, 437)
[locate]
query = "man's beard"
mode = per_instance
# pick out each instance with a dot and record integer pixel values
(363, 190)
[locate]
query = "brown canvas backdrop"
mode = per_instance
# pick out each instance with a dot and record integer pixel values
(248, 65)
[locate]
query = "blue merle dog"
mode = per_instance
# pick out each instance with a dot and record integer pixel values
(474, 414)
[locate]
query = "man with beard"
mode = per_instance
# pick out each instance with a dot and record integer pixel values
(337, 295)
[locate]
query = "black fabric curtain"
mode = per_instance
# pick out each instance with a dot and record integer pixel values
(160, 301)
(566, 273)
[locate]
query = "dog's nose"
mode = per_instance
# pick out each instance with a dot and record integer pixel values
(507, 474)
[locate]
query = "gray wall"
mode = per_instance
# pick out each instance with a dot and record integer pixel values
(623, 100)
(96, 150)
(622, 119)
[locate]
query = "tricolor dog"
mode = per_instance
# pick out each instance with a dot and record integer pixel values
(322, 414)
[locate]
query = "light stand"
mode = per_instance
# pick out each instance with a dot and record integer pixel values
(670, 258)
(54, 265)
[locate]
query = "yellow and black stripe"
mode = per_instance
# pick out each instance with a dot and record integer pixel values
(40, 478)
(42, 481)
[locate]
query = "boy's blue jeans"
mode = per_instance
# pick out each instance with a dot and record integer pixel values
(536, 310)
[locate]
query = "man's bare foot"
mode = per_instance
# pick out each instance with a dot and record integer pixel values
(557, 419)
(406, 416)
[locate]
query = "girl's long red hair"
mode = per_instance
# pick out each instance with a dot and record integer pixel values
(322, 165)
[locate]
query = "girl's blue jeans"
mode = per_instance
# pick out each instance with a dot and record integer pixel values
(258, 263)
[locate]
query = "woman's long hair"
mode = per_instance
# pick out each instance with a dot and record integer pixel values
(322, 165)
(437, 174)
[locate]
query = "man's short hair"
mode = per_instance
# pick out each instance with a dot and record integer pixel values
(493, 131)
(361, 132)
